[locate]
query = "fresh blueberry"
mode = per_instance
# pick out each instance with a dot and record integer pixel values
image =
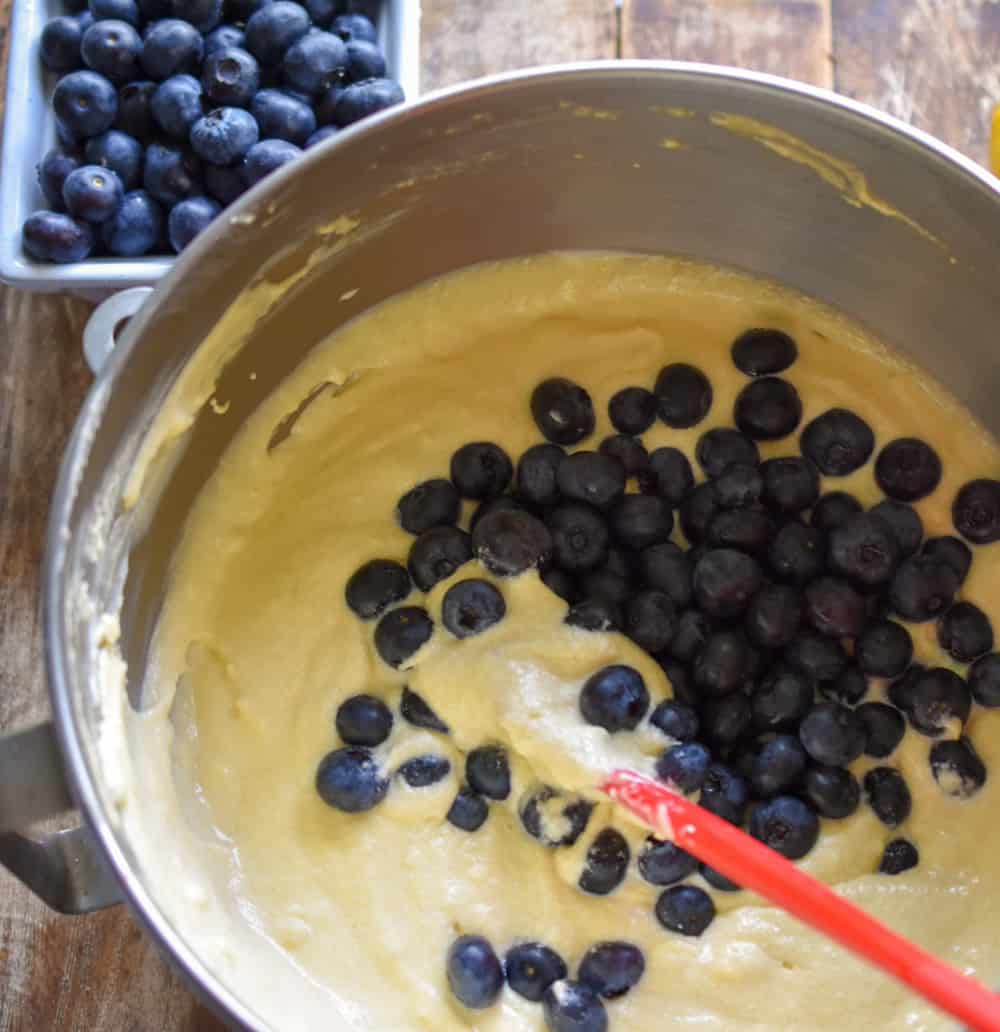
(898, 856)
(676, 720)
(952, 552)
(815, 654)
(937, 699)
(324, 132)
(354, 27)
(570, 1006)
(767, 409)
(532, 968)
(905, 524)
(774, 615)
(119, 152)
(976, 511)
(888, 795)
(965, 632)
(552, 818)
(112, 49)
(666, 568)
(684, 395)
(432, 503)
(471, 607)
(349, 779)
(922, 588)
(315, 62)
(176, 105)
(230, 77)
(59, 45)
(833, 510)
(92, 193)
(560, 582)
(50, 237)
(782, 699)
(884, 649)
(786, 824)
(641, 521)
(724, 793)
(669, 475)
(762, 352)
(665, 863)
(536, 474)
(778, 766)
(722, 447)
(375, 586)
(321, 11)
(52, 172)
(632, 410)
(414, 710)
(984, 680)
(508, 543)
(685, 909)
(171, 47)
(204, 15)
(900, 691)
(615, 698)
(720, 666)
(693, 629)
(796, 552)
(481, 470)
(563, 411)
(629, 451)
(224, 135)
(865, 549)
(401, 633)
(739, 486)
(790, 484)
(424, 771)
(469, 810)
(135, 116)
(120, 10)
(684, 765)
(266, 157)
(833, 791)
(487, 770)
(605, 864)
(908, 469)
(725, 721)
(282, 117)
(718, 880)
(884, 727)
(591, 477)
(957, 768)
(838, 442)
(364, 61)
(595, 614)
(697, 512)
(475, 973)
(611, 969)
(222, 38)
(650, 619)
(272, 29)
(834, 608)
(363, 720)
(833, 734)
(85, 103)
(724, 581)
(136, 228)
(579, 537)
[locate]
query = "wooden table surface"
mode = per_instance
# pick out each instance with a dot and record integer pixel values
(935, 63)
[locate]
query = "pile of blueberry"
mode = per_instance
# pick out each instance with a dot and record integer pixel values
(168, 110)
(781, 621)
(607, 971)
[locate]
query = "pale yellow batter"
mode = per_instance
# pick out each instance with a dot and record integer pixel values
(325, 920)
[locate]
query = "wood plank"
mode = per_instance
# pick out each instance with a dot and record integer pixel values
(935, 63)
(782, 37)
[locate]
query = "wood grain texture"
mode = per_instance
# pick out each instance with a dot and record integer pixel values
(783, 37)
(935, 63)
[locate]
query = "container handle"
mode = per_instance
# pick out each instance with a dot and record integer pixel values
(101, 331)
(65, 869)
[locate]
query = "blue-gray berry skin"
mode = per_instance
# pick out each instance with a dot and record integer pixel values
(49, 236)
(136, 228)
(224, 135)
(188, 218)
(85, 103)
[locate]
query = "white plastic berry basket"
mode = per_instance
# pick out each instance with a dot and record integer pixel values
(29, 131)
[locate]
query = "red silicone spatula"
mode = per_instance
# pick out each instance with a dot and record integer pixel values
(759, 868)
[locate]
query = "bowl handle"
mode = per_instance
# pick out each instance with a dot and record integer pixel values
(105, 321)
(65, 869)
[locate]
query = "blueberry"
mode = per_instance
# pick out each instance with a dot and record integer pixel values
(952, 552)
(778, 766)
(579, 537)
(833, 510)
(884, 649)
(898, 856)
(957, 768)
(666, 568)
(684, 395)
(629, 451)
(560, 583)
(363, 720)
(120, 153)
(697, 511)
(471, 607)
(664, 863)
(904, 522)
(884, 726)
(501, 503)
(487, 770)
(536, 474)
(112, 49)
(320, 11)
(747, 530)
(266, 157)
(120, 10)
(531, 968)
(224, 135)
(92, 193)
(176, 105)
(361, 99)
(669, 475)
(615, 698)
(401, 633)
(774, 615)
(922, 588)
(984, 680)
(685, 909)
(833, 734)
(722, 447)
(796, 552)
(282, 116)
(724, 581)
(767, 409)
(204, 15)
(684, 765)
(838, 442)
(900, 691)
(965, 632)
(865, 549)
(720, 666)
(85, 103)
(718, 880)
(790, 484)
(573, 1007)
(650, 619)
(423, 771)
(324, 132)
(364, 60)
(693, 629)
(834, 608)
(888, 795)
(481, 470)
(605, 865)
(50, 237)
(816, 655)
(52, 172)
(59, 45)
(315, 62)
(350, 780)
(676, 720)
(596, 614)
(976, 511)
(938, 698)
(224, 37)
(833, 791)
(908, 469)
(414, 710)
(591, 477)
(554, 819)
(136, 228)
(724, 793)
(475, 973)
(612, 968)
(272, 29)
(609, 586)
(739, 486)
(353, 27)
(135, 116)
(230, 77)
(510, 542)
(726, 720)
(762, 352)
(632, 410)
(786, 824)
(375, 586)
(170, 174)
(171, 47)
(432, 503)
(782, 699)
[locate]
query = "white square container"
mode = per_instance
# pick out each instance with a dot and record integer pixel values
(29, 131)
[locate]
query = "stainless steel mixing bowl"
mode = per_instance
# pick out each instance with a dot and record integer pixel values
(785, 181)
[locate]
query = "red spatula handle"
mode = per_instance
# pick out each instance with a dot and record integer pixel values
(759, 868)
